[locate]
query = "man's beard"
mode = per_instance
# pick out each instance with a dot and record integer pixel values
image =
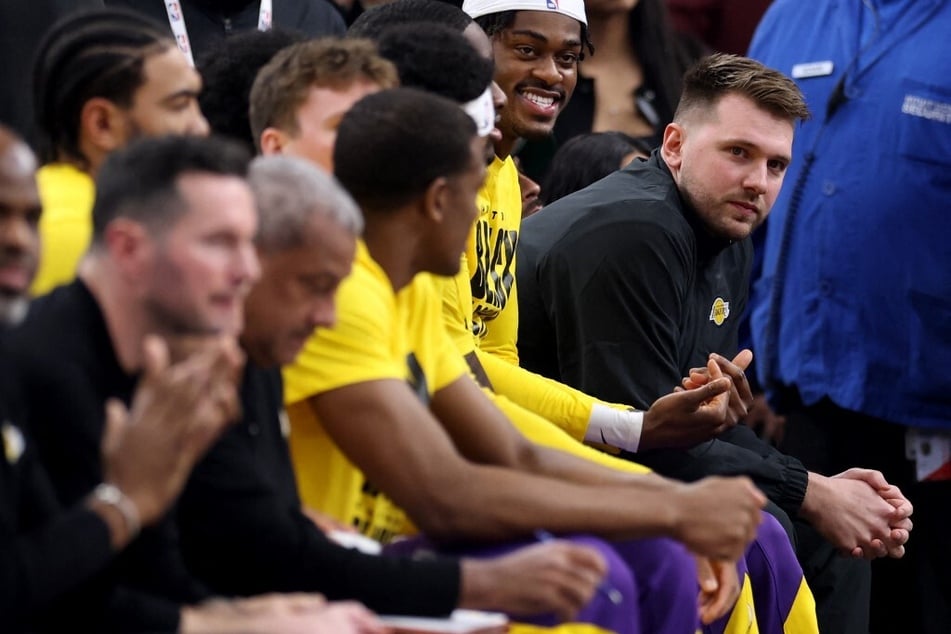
(174, 320)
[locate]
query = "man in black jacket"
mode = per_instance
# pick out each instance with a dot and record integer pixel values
(82, 345)
(628, 284)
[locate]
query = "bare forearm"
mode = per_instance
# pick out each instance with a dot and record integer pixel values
(495, 503)
(502, 486)
(815, 497)
(553, 463)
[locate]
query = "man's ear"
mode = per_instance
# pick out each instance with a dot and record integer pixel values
(436, 200)
(103, 126)
(273, 141)
(671, 148)
(128, 245)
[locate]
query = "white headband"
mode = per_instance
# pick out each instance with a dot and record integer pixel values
(482, 111)
(571, 8)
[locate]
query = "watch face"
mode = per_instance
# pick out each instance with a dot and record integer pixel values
(13, 443)
(111, 494)
(108, 493)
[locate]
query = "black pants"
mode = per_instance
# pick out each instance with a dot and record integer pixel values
(912, 594)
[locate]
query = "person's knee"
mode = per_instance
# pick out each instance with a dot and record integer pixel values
(676, 571)
(619, 585)
(662, 566)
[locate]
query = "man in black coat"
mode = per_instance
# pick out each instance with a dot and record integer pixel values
(627, 285)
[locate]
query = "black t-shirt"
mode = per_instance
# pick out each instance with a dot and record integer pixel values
(636, 290)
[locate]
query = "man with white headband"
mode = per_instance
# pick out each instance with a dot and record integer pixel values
(537, 45)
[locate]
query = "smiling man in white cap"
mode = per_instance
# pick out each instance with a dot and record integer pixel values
(537, 45)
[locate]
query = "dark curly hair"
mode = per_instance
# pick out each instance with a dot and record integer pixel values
(228, 70)
(437, 59)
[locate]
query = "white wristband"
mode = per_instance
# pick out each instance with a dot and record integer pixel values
(615, 427)
(113, 496)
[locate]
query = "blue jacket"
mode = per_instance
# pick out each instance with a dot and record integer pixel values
(854, 301)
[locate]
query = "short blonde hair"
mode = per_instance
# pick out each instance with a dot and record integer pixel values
(282, 85)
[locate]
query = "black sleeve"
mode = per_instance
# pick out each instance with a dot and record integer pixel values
(242, 535)
(53, 574)
(65, 419)
(615, 303)
(611, 295)
(735, 452)
(49, 577)
(44, 553)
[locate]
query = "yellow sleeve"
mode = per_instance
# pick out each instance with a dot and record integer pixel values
(65, 226)
(542, 432)
(564, 406)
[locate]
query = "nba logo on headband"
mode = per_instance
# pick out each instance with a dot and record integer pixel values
(571, 8)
